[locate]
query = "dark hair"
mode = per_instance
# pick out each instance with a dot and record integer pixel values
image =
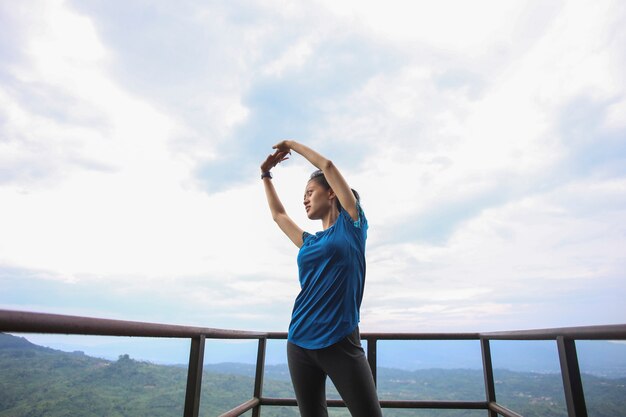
(318, 177)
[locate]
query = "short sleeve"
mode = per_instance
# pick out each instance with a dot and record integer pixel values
(358, 223)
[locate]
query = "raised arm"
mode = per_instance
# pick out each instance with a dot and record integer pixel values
(333, 176)
(284, 222)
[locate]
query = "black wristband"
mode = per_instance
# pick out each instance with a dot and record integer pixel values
(266, 174)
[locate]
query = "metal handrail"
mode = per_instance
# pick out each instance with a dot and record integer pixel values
(604, 332)
(29, 322)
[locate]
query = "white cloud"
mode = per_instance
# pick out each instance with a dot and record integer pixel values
(449, 25)
(136, 217)
(565, 241)
(616, 116)
(99, 181)
(293, 58)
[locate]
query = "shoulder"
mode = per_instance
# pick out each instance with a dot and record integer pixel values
(360, 222)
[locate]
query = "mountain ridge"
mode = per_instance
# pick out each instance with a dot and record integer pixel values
(37, 381)
(601, 358)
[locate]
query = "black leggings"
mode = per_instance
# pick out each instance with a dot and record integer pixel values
(347, 367)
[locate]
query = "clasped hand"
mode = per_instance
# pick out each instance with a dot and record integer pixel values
(282, 150)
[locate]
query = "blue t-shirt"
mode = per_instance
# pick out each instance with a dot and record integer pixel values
(331, 267)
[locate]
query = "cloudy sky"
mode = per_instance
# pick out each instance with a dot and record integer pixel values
(487, 139)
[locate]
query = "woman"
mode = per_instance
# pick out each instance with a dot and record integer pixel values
(323, 334)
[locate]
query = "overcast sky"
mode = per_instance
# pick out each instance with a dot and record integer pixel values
(487, 139)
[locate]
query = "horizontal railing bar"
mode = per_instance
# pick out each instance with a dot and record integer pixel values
(447, 405)
(503, 410)
(276, 335)
(604, 332)
(399, 336)
(28, 322)
(278, 401)
(242, 408)
(420, 336)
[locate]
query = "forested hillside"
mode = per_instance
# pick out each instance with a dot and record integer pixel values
(37, 381)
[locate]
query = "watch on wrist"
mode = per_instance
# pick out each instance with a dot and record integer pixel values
(266, 174)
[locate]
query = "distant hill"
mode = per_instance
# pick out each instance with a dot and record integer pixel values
(8, 341)
(37, 381)
(600, 358)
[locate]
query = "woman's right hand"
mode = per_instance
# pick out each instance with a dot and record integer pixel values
(274, 159)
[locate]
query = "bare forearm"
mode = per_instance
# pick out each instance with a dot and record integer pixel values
(279, 215)
(336, 181)
(273, 201)
(315, 158)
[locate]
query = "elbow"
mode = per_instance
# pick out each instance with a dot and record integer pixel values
(277, 215)
(327, 165)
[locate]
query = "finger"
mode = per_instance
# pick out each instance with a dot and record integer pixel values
(280, 145)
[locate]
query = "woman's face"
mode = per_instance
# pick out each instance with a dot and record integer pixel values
(317, 200)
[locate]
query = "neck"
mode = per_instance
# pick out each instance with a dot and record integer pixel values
(330, 218)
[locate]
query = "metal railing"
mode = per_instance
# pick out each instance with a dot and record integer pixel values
(28, 322)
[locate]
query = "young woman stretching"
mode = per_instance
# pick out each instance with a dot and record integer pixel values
(323, 334)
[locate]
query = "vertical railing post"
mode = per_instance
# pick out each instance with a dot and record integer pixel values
(490, 388)
(572, 382)
(258, 377)
(371, 356)
(194, 377)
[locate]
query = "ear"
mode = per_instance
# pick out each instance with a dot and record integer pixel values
(331, 194)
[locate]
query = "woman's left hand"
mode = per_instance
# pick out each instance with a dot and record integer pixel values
(283, 146)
